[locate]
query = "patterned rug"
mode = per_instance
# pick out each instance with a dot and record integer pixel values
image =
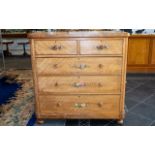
(19, 110)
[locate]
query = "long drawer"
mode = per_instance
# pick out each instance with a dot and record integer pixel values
(80, 106)
(55, 47)
(81, 84)
(103, 46)
(95, 65)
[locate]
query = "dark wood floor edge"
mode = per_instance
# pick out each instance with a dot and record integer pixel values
(140, 74)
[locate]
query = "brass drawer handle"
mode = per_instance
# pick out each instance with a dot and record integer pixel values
(101, 47)
(81, 66)
(80, 105)
(56, 47)
(79, 84)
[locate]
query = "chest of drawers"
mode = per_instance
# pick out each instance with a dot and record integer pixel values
(79, 75)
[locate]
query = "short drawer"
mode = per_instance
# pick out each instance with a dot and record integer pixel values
(107, 46)
(96, 65)
(79, 84)
(80, 106)
(55, 47)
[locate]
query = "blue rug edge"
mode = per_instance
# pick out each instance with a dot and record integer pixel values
(32, 120)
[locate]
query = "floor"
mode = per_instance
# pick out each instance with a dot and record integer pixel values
(16, 105)
(16, 62)
(140, 105)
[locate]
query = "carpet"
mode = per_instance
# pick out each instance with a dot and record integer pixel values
(8, 87)
(16, 98)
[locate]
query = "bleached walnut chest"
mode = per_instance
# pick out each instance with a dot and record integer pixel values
(79, 75)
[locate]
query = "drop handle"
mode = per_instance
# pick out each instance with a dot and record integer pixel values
(101, 47)
(79, 84)
(56, 47)
(80, 66)
(80, 105)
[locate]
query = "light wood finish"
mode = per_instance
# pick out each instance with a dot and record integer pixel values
(153, 52)
(80, 106)
(141, 54)
(81, 84)
(138, 51)
(123, 81)
(81, 35)
(35, 81)
(81, 65)
(102, 46)
(83, 79)
(141, 69)
(55, 47)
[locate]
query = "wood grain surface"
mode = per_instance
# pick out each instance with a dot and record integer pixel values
(79, 66)
(55, 47)
(80, 75)
(80, 106)
(79, 84)
(103, 46)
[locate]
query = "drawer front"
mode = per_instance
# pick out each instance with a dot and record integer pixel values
(100, 65)
(82, 106)
(83, 84)
(107, 46)
(55, 47)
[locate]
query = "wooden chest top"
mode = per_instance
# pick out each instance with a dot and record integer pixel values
(80, 34)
